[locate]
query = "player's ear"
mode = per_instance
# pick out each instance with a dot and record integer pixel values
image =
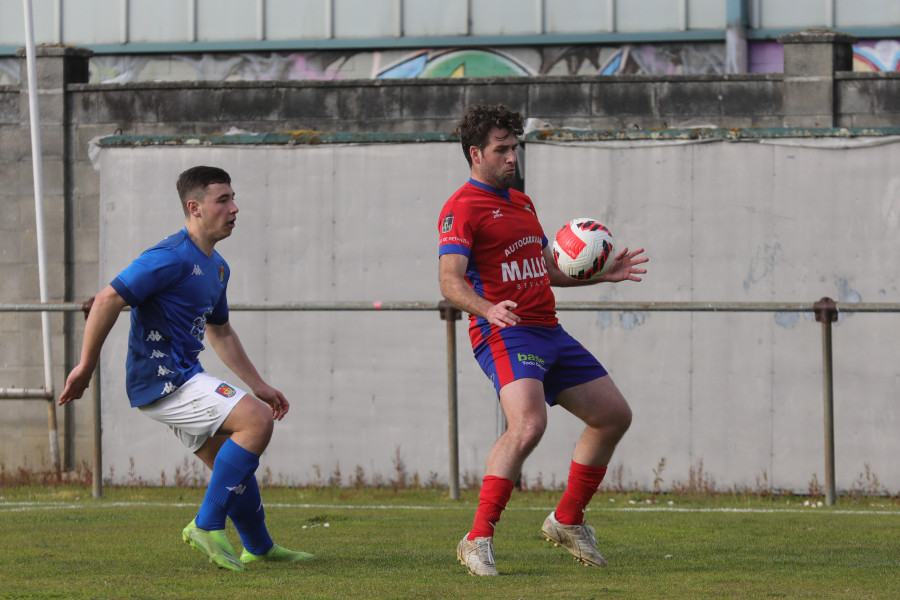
(475, 153)
(193, 207)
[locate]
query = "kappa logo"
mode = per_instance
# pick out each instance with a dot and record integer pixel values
(447, 224)
(154, 336)
(197, 270)
(497, 214)
(163, 371)
(158, 354)
(225, 390)
(168, 388)
(238, 489)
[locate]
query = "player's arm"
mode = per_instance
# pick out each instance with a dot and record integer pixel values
(624, 267)
(228, 346)
(455, 288)
(101, 318)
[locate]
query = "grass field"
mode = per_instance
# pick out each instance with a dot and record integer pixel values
(380, 543)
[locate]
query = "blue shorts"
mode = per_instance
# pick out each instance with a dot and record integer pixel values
(545, 353)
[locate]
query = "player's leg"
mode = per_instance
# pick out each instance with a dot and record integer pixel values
(228, 430)
(525, 409)
(607, 416)
(195, 412)
(526, 415)
(526, 419)
(249, 516)
(244, 434)
(231, 466)
(249, 428)
(213, 543)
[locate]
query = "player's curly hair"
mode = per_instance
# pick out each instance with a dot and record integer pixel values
(192, 183)
(477, 121)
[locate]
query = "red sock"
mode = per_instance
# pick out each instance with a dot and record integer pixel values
(583, 483)
(495, 493)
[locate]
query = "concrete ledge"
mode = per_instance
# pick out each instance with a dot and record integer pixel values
(569, 135)
(817, 36)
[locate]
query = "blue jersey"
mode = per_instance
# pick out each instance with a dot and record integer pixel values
(174, 290)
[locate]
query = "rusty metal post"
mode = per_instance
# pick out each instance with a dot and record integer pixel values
(451, 315)
(97, 470)
(54, 438)
(826, 314)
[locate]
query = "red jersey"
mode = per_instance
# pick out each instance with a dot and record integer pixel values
(499, 232)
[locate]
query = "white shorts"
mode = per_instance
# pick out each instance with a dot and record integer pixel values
(196, 410)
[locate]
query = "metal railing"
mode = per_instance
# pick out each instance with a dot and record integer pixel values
(825, 310)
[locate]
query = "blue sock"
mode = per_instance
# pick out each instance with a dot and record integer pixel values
(232, 466)
(249, 518)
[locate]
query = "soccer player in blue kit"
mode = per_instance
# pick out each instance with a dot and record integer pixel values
(495, 264)
(176, 291)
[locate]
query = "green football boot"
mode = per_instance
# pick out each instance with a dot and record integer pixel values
(276, 554)
(214, 545)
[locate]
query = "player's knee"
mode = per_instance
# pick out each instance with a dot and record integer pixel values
(528, 434)
(623, 419)
(258, 418)
(614, 420)
(618, 420)
(264, 423)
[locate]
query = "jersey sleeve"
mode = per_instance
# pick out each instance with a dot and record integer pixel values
(148, 274)
(456, 230)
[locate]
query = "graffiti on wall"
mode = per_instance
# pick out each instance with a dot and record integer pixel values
(880, 55)
(868, 56)
(456, 62)
(708, 58)
(627, 59)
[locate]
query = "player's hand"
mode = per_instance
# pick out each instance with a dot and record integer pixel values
(502, 315)
(77, 381)
(274, 399)
(625, 267)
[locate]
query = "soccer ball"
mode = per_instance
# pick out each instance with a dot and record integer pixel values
(584, 249)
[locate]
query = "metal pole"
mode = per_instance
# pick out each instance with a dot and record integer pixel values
(37, 171)
(97, 468)
(562, 306)
(451, 314)
(97, 471)
(826, 313)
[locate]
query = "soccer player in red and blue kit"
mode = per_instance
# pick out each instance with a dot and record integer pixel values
(495, 264)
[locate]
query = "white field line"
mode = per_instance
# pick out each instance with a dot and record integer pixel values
(30, 506)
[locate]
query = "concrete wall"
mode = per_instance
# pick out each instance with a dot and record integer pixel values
(74, 113)
(769, 221)
(739, 394)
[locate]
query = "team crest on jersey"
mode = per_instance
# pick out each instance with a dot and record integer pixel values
(225, 390)
(221, 273)
(447, 225)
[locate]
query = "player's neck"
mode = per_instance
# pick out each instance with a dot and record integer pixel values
(488, 184)
(204, 242)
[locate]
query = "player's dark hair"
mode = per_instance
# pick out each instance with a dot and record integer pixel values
(193, 183)
(477, 121)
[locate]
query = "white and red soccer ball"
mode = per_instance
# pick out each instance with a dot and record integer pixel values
(584, 248)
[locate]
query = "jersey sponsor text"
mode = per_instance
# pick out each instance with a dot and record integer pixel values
(530, 268)
(531, 239)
